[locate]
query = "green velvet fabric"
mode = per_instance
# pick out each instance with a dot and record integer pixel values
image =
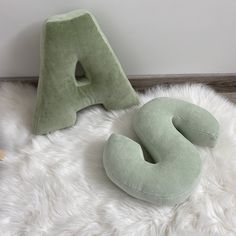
(166, 128)
(67, 39)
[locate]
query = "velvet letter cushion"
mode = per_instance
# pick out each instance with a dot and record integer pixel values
(168, 167)
(69, 40)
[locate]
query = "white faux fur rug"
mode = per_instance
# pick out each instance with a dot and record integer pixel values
(56, 184)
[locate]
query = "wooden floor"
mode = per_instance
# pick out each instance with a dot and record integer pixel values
(224, 84)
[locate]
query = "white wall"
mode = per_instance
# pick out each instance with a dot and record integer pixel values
(148, 36)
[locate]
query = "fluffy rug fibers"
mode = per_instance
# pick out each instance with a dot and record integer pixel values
(56, 184)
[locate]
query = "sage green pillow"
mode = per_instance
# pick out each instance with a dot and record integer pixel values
(167, 129)
(68, 40)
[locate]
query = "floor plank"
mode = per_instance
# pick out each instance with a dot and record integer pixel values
(225, 83)
(221, 82)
